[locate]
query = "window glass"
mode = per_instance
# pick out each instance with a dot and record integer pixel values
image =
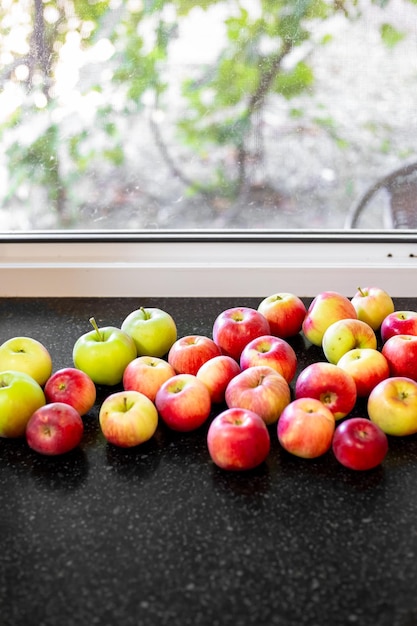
(235, 114)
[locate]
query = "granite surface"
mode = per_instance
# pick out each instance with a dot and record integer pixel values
(157, 535)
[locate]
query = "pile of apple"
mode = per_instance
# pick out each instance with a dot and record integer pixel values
(242, 374)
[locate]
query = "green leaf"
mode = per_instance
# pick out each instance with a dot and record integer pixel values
(292, 83)
(390, 35)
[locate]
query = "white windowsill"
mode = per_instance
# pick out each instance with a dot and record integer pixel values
(191, 268)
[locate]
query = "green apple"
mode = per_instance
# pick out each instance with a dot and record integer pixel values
(24, 354)
(345, 335)
(104, 353)
(20, 397)
(153, 331)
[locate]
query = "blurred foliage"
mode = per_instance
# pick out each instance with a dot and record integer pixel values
(51, 137)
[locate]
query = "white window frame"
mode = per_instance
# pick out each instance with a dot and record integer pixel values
(200, 263)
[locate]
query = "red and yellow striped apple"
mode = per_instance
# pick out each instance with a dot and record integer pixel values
(260, 389)
(285, 313)
(128, 418)
(305, 428)
(188, 353)
(216, 374)
(238, 439)
(326, 308)
(236, 327)
(146, 374)
(273, 352)
(183, 402)
(332, 385)
(368, 367)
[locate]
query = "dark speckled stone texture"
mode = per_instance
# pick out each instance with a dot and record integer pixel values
(159, 536)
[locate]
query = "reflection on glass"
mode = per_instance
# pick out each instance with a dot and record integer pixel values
(150, 114)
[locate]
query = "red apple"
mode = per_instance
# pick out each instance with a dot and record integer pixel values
(372, 305)
(189, 353)
(332, 385)
(325, 309)
(216, 374)
(238, 439)
(392, 404)
(306, 427)
(235, 327)
(54, 428)
(272, 351)
(401, 354)
(285, 313)
(183, 402)
(128, 418)
(146, 374)
(367, 366)
(399, 323)
(72, 386)
(359, 444)
(261, 390)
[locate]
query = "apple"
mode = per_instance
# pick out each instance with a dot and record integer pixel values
(236, 327)
(372, 305)
(216, 373)
(272, 351)
(183, 402)
(238, 439)
(306, 427)
(104, 353)
(24, 354)
(330, 384)
(146, 374)
(55, 428)
(260, 389)
(359, 444)
(72, 386)
(392, 405)
(345, 335)
(327, 307)
(401, 354)
(189, 353)
(367, 366)
(153, 331)
(128, 418)
(285, 313)
(20, 397)
(399, 323)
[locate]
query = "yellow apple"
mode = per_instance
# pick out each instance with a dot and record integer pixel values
(24, 354)
(392, 405)
(372, 305)
(345, 335)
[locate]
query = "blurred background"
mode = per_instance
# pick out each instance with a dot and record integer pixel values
(150, 114)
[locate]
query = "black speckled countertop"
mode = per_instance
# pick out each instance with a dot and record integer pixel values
(158, 535)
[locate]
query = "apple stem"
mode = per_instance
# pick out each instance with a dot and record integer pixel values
(94, 325)
(146, 315)
(361, 291)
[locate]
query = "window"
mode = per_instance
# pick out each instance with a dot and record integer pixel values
(134, 131)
